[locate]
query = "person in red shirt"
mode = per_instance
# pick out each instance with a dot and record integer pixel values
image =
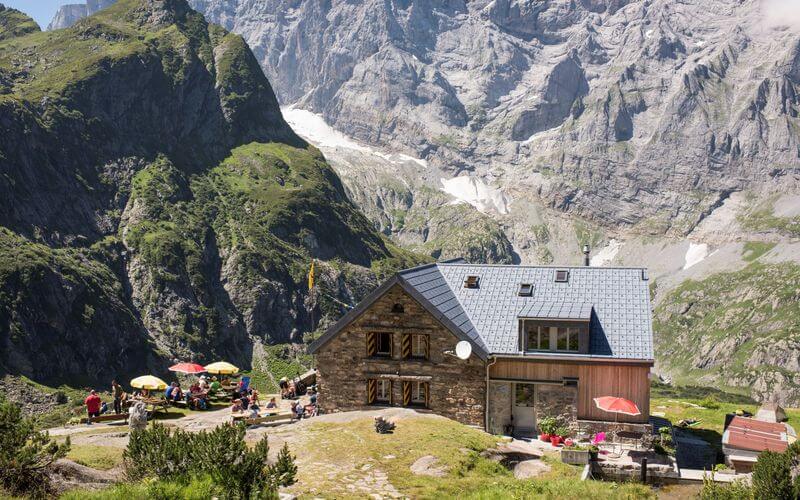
(92, 403)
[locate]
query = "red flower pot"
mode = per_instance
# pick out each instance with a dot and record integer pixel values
(544, 437)
(555, 440)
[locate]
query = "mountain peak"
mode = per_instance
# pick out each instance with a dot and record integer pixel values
(14, 23)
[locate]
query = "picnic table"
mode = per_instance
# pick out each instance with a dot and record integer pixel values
(153, 404)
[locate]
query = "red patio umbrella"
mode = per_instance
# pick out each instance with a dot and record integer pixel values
(187, 368)
(614, 404)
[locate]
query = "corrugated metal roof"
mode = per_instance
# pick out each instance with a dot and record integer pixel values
(750, 434)
(618, 300)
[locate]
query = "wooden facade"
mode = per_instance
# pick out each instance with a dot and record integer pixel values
(595, 379)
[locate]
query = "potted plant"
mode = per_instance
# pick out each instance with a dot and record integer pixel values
(559, 433)
(547, 427)
(593, 450)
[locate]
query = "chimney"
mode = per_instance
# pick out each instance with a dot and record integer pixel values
(586, 252)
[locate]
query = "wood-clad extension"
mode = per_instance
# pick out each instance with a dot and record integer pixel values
(595, 379)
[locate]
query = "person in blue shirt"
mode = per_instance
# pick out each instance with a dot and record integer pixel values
(169, 391)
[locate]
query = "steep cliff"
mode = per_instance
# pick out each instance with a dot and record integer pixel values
(155, 204)
(69, 14)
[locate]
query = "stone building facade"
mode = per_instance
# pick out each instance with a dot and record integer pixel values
(456, 388)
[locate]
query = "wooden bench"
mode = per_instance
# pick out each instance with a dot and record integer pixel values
(263, 419)
(108, 417)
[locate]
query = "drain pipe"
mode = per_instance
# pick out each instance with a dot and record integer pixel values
(486, 408)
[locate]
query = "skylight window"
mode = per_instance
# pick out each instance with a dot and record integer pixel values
(471, 282)
(525, 290)
(562, 276)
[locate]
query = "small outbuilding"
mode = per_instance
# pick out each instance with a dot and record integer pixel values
(745, 438)
(771, 412)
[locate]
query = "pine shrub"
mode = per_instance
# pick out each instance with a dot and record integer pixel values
(772, 476)
(220, 454)
(284, 470)
(25, 453)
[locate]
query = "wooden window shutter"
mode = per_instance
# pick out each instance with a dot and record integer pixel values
(405, 350)
(406, 393)
(427, 340)
(372, 390)
(372, 344)
(391, 392)
(391, 345)
(427, 388)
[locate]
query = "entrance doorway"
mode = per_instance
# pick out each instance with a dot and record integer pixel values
(523, 410)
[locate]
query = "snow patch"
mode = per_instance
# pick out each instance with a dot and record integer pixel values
(695, 254)
(315, 130)
(472, 190)
(606, 254)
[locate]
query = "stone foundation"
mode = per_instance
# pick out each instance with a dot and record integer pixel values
(500, 400)
(594, 426)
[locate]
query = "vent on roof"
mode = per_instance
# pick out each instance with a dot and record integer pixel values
(562, 276)
(471, 282)
(525, 290)
(645, 277)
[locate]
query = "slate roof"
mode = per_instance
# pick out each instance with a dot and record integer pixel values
(616, 301)
(557, 310)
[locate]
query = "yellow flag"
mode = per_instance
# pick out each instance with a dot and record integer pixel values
(311, 277)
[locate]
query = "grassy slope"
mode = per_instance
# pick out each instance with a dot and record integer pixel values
(751, 311)
(677, 404)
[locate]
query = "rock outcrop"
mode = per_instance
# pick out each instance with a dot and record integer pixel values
(154, 204)
(69, 14)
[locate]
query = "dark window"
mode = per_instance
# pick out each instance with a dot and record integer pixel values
(398, 309)
(384, 344)
(562, 276)
(525, 290)
(538, 337)
(570, 381)
(471, 282)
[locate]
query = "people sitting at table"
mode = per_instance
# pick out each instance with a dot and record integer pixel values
(272, 403)
(236, 407)
(298, 410)
(173, 392)
(143, 394)
(253, 397)
(215, 386)
(225, 381)
(203, 383)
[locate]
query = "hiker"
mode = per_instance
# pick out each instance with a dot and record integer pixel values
(117, 393)
(92, 403)
(284, 385)
(215, 386)
(253, 397)
(170, 390)
(313, 396)
(272, 403)
(298, 410)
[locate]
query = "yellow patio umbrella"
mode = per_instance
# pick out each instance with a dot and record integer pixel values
(148, 382)
(222, 368)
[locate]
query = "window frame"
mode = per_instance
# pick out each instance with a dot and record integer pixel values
(381, 384)
(378, 352)
(417, 388)
(542, 336)
(419, 340)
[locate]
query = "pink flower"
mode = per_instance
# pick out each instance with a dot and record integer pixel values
(598, 438)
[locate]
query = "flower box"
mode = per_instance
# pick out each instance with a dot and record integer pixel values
(576, 457)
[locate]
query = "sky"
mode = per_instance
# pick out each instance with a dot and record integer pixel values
(41, 11)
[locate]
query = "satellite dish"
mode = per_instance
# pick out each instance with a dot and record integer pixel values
(463, 350)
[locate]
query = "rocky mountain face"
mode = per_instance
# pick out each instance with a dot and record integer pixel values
(69, 14)
(663, 134)
(154, 204)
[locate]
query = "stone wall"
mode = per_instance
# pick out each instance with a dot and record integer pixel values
(557, 401)
(457, 388)
(500, 400)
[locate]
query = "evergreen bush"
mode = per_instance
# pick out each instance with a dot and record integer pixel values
(772, 476)
(220, 454)
(25, 453)
(284, 470)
